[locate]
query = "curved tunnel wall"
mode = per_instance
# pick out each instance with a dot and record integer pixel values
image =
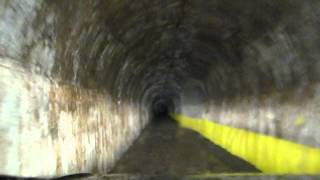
(79, 77)
(266, 77)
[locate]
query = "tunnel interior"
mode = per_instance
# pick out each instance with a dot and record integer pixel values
(162, 107)
(84, 78)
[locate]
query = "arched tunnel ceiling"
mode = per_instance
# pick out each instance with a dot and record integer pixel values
(137, 49)
(167, 44)
(97, 66)
(221, 52)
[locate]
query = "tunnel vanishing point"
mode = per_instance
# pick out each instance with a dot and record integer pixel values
(80, 79)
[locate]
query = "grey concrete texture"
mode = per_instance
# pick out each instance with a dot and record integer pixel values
(265, 77)
(79, 78)
(56, 116)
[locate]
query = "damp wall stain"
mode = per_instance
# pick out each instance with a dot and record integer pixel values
(78, 77)
(55, 117)
(68, 128)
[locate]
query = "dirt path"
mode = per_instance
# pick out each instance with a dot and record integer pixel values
(166, 148)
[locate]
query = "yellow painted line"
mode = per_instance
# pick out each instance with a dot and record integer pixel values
(269, 154)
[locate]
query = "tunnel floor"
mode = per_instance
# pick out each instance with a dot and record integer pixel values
(166, 148)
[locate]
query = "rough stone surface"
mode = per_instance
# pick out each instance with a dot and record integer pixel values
(56, 115)
(79, 78)
(265, 76)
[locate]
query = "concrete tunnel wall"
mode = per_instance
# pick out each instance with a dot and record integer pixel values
(78, 78)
